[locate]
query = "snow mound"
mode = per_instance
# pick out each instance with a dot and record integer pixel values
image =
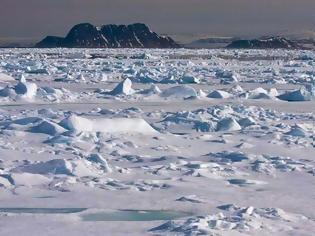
(144, 56)
(6, 181)
(28, 179)
(169, 80)
(189, 79)
(273, 92)
(260, 96)
(228, 124)
(234, 218)
(103, 77)
(7, 92)
(236, 89)
(217, 118)
(299, 95)
(153, 90)
(201, 93)
(190, 198)
(227, 77)
(55, 94)
(114, 125)
(144, 79)
(35, 125)
(297, 131)
(247, 121)
(260, 93)
(219, 94)
(259, 90)
(6, 78)
(25, 89)
(48, 113)
(36, 70)
(79, 167)
(81, 77)
(47, 127)
(99, 160)
(270, 164)
(245, 182)
(229, 157)
(183, 91)
(56, 166)
(123, 88)
(27, 120)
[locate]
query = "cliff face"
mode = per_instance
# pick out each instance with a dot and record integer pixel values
(109, 36)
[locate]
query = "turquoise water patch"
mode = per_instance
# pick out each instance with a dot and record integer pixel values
(133, 215)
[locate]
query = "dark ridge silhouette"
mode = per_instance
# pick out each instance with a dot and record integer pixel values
(109, 36)
(265, 43)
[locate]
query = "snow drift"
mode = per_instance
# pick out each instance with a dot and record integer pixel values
(115, 125)
(6, 78)
(180, 92)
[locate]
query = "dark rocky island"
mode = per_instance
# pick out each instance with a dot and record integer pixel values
(265, 43)
(109, 36)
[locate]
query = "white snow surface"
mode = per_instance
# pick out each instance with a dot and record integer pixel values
(204, 142)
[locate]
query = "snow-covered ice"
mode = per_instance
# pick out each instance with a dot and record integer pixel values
(157, 142)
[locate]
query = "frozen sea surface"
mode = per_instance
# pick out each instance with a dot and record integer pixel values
(191, 142)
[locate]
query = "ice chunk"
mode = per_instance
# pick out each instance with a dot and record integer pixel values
(248, 121)
(219, 94)
(81, 78)
(236, 89)
(299, 95)
(7, 92)
(190, 198)
(189, 79)
(25, 89)
(297, 131)
(228, 124)
(123, 88)
(154, 89)
(98, 159)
